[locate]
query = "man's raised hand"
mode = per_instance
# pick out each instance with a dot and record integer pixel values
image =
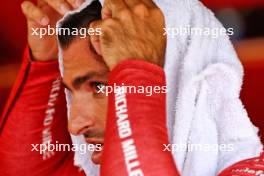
(44, 13)
(131, 29)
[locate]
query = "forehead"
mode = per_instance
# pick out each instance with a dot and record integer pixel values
(78, 48)
(80, 58)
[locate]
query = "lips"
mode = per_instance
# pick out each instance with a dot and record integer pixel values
(94, 141)
(96, 155)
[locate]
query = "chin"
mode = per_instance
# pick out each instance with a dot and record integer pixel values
(96, 157)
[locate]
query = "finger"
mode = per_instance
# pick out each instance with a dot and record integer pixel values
(95, 39)
(112, 8)
(149, 3)
(138, 7)
(75, 3)
(33, 13)
(59, 5)
(132, 3)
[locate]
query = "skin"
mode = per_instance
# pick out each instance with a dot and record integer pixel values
(40, 15)
(131, 29)
(125, 23)
(77, 64)
(83, 72)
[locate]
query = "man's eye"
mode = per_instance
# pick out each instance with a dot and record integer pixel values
(98, 87)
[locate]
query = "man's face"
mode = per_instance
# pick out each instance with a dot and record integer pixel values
(84, 70)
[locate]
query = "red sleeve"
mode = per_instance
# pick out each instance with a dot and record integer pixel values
(136, 124)
(136, 127)
(250, 167)
(35, 115)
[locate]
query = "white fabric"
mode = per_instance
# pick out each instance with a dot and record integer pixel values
(204, 78)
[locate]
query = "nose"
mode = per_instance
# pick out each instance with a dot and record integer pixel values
(78, 124)
(79, 120)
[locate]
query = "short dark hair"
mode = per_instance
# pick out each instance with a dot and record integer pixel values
(78, 20)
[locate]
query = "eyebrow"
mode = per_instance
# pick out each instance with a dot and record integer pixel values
(78, 81)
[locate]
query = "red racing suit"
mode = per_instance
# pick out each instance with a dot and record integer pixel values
(136, 128)
(36, 114)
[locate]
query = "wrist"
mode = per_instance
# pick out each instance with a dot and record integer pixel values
(129, 66)
(41, 57)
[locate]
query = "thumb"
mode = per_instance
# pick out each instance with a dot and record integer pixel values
(95, 38)
(34, 14)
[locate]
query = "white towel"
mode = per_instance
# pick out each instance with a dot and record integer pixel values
(204, 78)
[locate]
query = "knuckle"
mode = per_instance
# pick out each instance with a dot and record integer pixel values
(35, 13)
(71, 1)
(109, 27)
(158, 12)
(125, 14)
(141, 9)
(54, 3)
(110, 23)
(61, 2)
(48, 1)
(26, 6)
(158, 15)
